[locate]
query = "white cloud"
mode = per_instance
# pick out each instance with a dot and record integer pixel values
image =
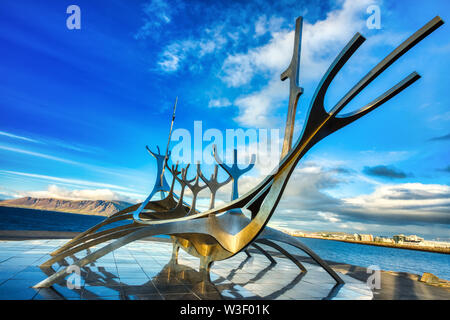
(170, 61)
(157, 13)
(408, 197)
(257, 109)
(264, 25)
(413, 204)
(308, 203)
(239, 69)
(328, 216)
(176, 53)
(321, 42)
(56, 192)
(325, 38)
(219, 103)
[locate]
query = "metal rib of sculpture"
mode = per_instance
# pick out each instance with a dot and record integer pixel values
(234, 171)
(222, 232)
(161, 184)
(214, 185)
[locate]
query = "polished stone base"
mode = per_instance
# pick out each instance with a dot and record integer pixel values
(143, 270)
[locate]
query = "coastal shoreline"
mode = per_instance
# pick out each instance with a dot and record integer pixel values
(56, 210)
(394, 285)
(19, 235)
(389, 245)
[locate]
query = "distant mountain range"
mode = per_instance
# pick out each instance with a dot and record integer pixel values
(90, 207)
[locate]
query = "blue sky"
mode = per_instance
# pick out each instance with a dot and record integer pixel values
(79, 106)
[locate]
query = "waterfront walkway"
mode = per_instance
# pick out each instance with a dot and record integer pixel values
(143, 270)
(135, 271)
(397, 285)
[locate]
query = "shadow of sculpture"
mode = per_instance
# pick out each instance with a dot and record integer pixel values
(172, 275)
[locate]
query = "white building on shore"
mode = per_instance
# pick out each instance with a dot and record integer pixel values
(363, 237)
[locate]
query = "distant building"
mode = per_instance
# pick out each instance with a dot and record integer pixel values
(399, 238)
(366, 237)
(412, 239)
(363, 237)
(383, 239)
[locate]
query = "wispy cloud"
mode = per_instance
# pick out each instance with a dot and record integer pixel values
(68, 181)
(106, 169)
(157, 13)
(179, 52)
(441, 117)
(240, 68)
(40, 155)
(257, 108)
(10, 135)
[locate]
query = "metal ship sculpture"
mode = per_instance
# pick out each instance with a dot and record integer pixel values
(223, 231)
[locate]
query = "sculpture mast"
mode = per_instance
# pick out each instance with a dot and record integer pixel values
(292, 72)
(168, 140)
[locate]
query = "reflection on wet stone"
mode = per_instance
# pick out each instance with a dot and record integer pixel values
(145, 271)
